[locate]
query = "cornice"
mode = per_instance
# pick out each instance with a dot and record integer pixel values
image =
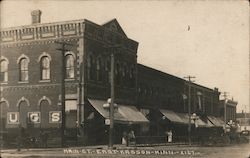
(42, 31)
(38, 42)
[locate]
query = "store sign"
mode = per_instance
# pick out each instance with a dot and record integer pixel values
(34, 117)
(55, 117)
(13, 117)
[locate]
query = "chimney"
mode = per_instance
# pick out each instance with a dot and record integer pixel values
(36, 16)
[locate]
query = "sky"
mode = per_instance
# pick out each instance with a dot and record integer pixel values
(205, 39)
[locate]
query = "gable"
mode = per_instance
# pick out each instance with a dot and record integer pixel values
(114, 26)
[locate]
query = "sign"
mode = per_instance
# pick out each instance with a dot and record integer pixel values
(13, 117)
(34, 117)
(55, 117)
(107, 121)
(131, 152)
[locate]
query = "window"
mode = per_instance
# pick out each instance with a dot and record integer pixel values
(45, 68)
(98, 69)
(90, 64)
(117, 73)
(107, 68)
(132, 76)
(70, 66)
(3, 71)
(23, 68)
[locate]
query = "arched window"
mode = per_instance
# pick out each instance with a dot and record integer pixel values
(91, 67)
(3, 112)
(107, 69)
(70, 66)
(23, 69)
(23, 108)
(132, 76)
(98, 69)
(45, 68)
(117, 73)
(3, 70)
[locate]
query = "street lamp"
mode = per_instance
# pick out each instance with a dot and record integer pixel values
(194, 117)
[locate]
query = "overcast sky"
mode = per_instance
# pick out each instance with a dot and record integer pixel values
(215, 49)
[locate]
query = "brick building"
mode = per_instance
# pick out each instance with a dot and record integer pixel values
(31, 80)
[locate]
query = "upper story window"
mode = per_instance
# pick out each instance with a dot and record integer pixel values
(98, 69)
(23, 69)
(45, 68)
(3, 70)
(118, 73)
(70, 66)
(91, 67)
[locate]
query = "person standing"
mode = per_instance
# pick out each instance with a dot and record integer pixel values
(170, 136)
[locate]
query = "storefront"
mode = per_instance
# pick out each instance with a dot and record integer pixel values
(96, 124)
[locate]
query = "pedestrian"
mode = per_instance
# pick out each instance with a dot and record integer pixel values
(170, 136)
(131, 137)
(125, 138)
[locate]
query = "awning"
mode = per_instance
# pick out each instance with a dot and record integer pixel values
(184, 118)
(216, 121)
(125, 114)
(172, 116)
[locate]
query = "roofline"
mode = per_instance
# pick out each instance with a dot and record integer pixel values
(42, 24)
(175, 77)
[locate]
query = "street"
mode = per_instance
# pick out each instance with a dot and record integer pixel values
(234, 151)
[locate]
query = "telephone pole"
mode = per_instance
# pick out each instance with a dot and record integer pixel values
(189, 78)
(111, 111)
(225, 95)
(63, 71)
(113, 50)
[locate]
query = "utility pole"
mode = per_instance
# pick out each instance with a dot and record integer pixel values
(225, 95)
(63, 50)
(245, 116)
(111, 111)
(189, 78)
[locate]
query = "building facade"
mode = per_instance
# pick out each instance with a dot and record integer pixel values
(148, 101)
(243, 119)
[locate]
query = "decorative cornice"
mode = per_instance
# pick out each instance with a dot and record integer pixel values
(38, 86)
(38, 42)
(42, 31)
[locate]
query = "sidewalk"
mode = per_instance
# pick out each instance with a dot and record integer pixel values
(116, 146)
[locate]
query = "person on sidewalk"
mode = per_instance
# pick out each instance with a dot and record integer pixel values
(131, 138)
(170, 136)
(125, 138)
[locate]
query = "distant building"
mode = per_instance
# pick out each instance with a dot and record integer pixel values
(230, 106)
(243, 119)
